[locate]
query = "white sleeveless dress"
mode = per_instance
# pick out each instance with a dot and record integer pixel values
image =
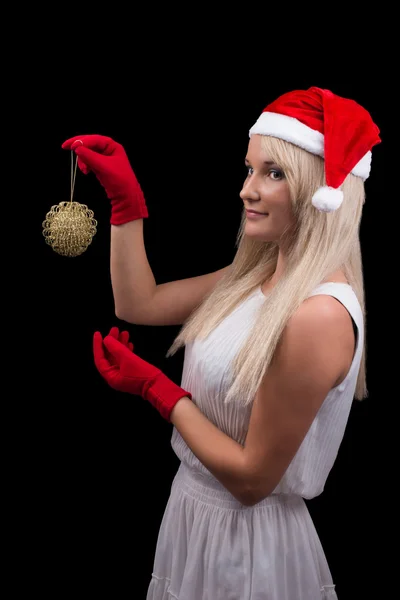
(210, 546)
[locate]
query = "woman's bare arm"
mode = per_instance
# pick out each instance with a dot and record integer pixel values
(137, 297)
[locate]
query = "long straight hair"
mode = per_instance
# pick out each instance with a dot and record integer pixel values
(319, 244)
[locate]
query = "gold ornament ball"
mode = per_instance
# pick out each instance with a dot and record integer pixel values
(69, 228)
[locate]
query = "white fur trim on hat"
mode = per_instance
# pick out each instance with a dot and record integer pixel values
(363, 167)
(291, 130)
(294, 131)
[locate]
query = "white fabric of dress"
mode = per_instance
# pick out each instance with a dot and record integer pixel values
(210, 546)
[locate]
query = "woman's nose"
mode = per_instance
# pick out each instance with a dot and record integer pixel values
(249, 190)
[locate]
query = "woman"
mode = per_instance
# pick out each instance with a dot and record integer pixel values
(274, 352)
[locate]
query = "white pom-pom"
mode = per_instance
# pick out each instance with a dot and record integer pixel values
(327, 199)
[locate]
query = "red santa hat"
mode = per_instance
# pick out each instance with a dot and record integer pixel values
(335, 128)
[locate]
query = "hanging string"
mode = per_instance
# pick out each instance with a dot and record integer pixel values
(73, 170)
(73, 173)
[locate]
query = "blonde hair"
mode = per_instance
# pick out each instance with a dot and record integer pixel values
(320, 244)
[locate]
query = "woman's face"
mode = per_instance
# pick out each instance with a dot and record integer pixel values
(266, 191)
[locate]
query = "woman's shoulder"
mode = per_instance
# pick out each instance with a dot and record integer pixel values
(324, 326)
(322, 311)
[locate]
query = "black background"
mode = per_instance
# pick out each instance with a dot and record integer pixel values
(99, 467)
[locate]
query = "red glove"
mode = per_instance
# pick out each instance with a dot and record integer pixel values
(126, 372)
(109, 162)
(123, 337)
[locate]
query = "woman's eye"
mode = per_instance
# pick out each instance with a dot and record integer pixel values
(250, 171)
(275, 174)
